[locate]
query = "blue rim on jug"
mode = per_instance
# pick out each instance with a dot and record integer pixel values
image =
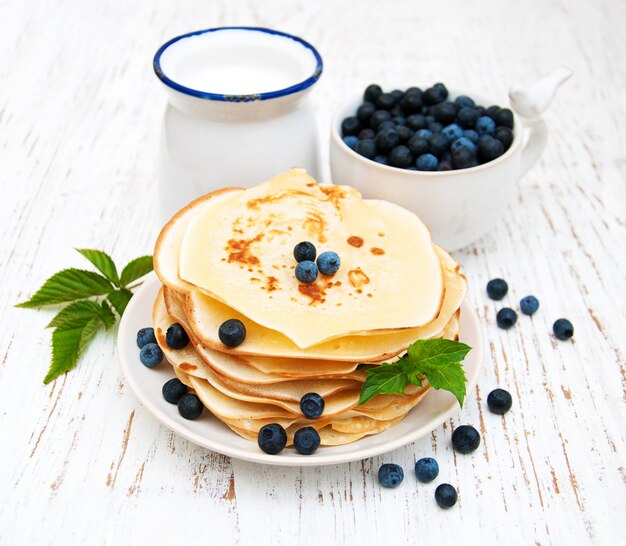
(239, 98)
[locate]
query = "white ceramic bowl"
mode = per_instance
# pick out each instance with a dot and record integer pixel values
(458, 206)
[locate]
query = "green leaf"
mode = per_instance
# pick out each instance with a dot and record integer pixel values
(449, 377)
(67, 346)
(69, 285)
(103, 262)
(437, 351)
(384, 379)
(106, 315)
(78, 314)
(119, 299)
(136, 269)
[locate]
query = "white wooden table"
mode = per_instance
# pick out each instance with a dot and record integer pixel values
(83, 462)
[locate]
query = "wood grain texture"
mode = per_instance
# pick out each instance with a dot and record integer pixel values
(84, 463)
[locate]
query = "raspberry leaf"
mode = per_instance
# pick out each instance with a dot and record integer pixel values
(103, 262)
(119, 299)
(136, 269)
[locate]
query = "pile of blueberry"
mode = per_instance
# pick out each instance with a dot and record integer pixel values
(424, 131)
(507, 317)
(307, 269)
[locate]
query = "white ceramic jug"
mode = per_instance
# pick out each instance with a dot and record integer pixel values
(237, 110)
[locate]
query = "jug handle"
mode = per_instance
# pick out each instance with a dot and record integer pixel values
(536, 140)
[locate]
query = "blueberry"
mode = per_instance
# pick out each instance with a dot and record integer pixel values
(232, 332)
(418, 145)
(366, 148)
(176, 337)
(386, 101)
(389, 124)
(426, 469)
(414, 90)
(424, 133)
(382, 159)
(397, 94)
(306, 440)
(430, 119)
(445, 112)
(404, 133)
(312, 405)
(304, 250)
(399, 120)
(504, 135)
(328, 263)
(350, 126)
(190, 406)
(390, 475)
(400, 157)
(306, 271)
(396, 111)
(452, 132)
(482, 111)
(489, 148)
(387, 139)
(434, 95)
(471, 134)
(446, 495)
(506, 318)
(417, 122)
(465, 439)
(492, 111)
(442, 88)
(411, 103)
(427, 162)
(144, 336)
(372, 92)
(529, 305)
(173, 390)
(485, 125)
(563, 329)
(272, 438)
(445, 165)
(367, 133)
(435, 127)
(463, 158)
(365, 111)
(463, 101)
(499, 401)
(504, 117)
(438, 144)
(467, 117)
(378, 117)
(463, 142)
(351, 141)
(151, 355)
(497, 289)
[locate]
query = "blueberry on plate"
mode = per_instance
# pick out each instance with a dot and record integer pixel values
(144, 336)
(463, 158)
(471, 134)
(386, 101)
(389, 124)
(382, 159)
(367, 133)
(306, 271)
(397, 94)
(372, 92)
(529, 305)
(435, 94)
(404, 132)
(312, 405)
(190, 407)
(366, 148)
(173, 390)
(504, 135)
(350, 126)
(411, 103)
(400, 157)
(272, 438)
(504, 117)
(232, 332)
(452, 132)
(446, 495)
(417, 122)
(435, 127)
(426, 162)
(499, 401)
(304, 250)
(465, 439)
(467, 117)
(386, 139)
(365, 111)
(378, 117)
(151, 355)
(463, 101)
(489, 148)
(306, 440)
(492, 111)
(328, 263)
(426, 469)
(438, 144)
(418, 145)
(497, 289)
(445, 165)
(445, 113)
(485, 125)
(399, 120)
(351, 141)
(506, 318)
(176, 337)
(463, 142)
(390, 475)
(563, 329)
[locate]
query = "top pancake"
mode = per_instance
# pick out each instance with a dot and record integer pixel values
(237, 248)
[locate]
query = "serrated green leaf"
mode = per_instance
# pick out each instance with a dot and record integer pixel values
(106, 315)
(103, 262)
(67, 346)
(69, 285)
(437, 351)
(384, 379)
(136, 269)
(75, 315)
(119, 299)
(449, 377)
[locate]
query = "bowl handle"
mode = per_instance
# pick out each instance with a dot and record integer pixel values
(536, 140)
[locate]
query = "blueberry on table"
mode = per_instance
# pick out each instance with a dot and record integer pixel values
(426, 469)
(418, 145)
(151, 355)
(367, 133)
(426, 162)
(504, 117)
(176, 337)
(465, 439)
(382, 159)
(386, 101)
(328, 263)
(173, 390)
(529, 305)
(306, 271)
(312, 405)
(304, 250)
(372, 92)
(386, 140)
(438, 144)
(378, 117)
(463, 101)
(485, 125)
(272, 438)
(390, 475)
(446, 495)
(365, 111)
(471, 135)
(452, 132)
(506, 318)
(417, 122)
(306, 440)
(563, 329)
(497, 289)
(467, 117)
(232, 332)
(463, 158)
(504, 135)
(489, 148)
(400, 157)
(366, 148)
(404, 132)
(144, 336)
(411, 103)
(463, 142)
(499, 401)
(445, 112)
(190, 407)
(351, 141)
(350, 126)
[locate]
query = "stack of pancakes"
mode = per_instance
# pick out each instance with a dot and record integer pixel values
(229, 255)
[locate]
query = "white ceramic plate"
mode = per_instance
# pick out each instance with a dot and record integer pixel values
(211, 433)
